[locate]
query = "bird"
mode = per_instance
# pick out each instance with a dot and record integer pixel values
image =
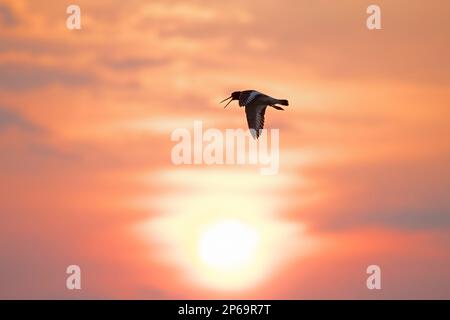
(255, 104)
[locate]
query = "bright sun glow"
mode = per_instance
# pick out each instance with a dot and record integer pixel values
(228, 245)
(221, 233)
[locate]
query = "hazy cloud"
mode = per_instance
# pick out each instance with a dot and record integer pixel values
(20, 77)
(131, 63)
(7, 17)
(11, 119)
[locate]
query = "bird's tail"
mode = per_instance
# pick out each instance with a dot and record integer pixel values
(283, 102)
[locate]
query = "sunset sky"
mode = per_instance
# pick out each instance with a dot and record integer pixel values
(86, 176)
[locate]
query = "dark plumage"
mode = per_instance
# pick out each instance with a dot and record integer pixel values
(255, 104)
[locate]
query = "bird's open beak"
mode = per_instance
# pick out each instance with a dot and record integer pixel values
(230, 97)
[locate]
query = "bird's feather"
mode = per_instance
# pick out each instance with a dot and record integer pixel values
(248, 97)
(255, 118)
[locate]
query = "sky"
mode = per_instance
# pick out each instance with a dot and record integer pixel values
(86, 176)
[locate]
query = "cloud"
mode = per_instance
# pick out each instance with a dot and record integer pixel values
(132, 63)
(25, 145)
(412, 219)
(36, 46)
(21, 77)
(388, 194)
(11, 119)
(7, 17)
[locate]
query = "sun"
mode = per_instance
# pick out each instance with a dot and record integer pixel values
(227, 238)
(228, 245)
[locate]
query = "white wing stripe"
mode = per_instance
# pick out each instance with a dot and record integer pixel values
(251, 96)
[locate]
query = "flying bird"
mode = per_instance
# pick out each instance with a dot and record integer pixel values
(255, 104)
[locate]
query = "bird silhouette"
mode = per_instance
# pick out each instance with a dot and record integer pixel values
(255, 104)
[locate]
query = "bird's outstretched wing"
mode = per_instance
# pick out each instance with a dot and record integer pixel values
(255, 119)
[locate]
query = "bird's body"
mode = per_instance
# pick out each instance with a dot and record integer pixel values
(255, 104)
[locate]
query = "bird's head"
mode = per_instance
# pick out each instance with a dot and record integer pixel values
(234, 96)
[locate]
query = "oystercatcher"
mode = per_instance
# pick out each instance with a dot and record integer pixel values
(255, 104)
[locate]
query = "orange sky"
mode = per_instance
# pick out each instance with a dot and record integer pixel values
(86, 176)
